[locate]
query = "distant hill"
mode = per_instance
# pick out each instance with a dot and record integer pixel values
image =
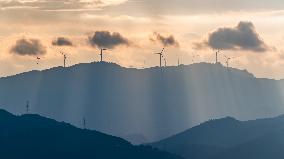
(155, 103)
(229, 138)
(268, 146)
(34, 137)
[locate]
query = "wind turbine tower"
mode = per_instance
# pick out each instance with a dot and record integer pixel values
(161, 55)
(217, 53)
(64, 59)
(27, 107)
(228, 59)
(84, 123)
(101, 54)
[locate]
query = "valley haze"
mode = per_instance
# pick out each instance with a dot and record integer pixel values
(142, 105)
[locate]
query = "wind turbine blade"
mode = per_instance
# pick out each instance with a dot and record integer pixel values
(162, 50)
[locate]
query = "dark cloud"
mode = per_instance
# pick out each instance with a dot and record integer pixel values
(61, 41)
(242, 37)
(106, 39)
(165, 40)
(30, 47)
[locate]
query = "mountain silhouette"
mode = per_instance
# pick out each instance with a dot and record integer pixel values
(136, 139)
(229, 138)
(33, 137)
(154, 103)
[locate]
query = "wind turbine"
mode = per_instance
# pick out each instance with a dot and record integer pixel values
(228, 59)
(64, 59)
(217, 53)
(101, 54)
(165, 61)
(84, 123)
(194, 56)
(37, 58)
(27, 107)
(161, 55)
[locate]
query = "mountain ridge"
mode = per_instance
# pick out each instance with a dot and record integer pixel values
(227, 138)
(114, 65)
(32, 136)
(115, 100)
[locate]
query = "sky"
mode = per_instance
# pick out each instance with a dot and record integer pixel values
(37, 31)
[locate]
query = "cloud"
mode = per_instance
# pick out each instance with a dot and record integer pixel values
(29, 47)
(241, 37)
(165, 40)
(58, 5)
(154, 7)
(61, 41)
(106, 39)
(181, 7)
